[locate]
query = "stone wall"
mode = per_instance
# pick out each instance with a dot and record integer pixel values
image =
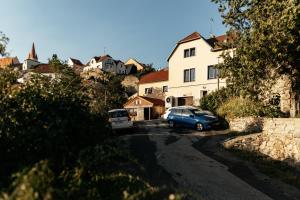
(279, 139)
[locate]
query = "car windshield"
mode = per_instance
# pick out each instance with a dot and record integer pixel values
(116, 114)
(198, 112)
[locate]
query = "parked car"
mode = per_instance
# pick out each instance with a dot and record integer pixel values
(193, 118)
(168, 111)
(119, 119)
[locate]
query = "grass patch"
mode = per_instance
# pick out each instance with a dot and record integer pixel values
(272, 168)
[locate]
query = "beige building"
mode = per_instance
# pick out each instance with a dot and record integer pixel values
(192, 74)
(150, 100)
(154, 84)
(145, 108)
(139, 66)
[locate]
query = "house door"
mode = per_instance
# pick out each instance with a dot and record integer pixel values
(185, 101)
(147, 113)
(203, 93)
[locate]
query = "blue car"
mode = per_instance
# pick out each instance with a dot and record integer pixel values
(192, 118)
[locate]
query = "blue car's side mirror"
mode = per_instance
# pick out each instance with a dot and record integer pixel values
(192, 116)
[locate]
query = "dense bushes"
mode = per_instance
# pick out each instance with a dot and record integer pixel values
(55, 145)
(215, 99)
(244, 107)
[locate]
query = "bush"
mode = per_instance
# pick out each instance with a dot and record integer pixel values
(215, 99)
(244, 107)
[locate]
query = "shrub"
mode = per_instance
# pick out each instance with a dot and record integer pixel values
(244, 107)
(215, 99)
(45, 120)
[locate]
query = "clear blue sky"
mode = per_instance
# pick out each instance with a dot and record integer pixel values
(143, 29)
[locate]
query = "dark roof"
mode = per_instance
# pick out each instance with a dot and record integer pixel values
(76, 61)
(191, 37)
(102, 58)
(155, 77)
(216, 42)
(43, 69)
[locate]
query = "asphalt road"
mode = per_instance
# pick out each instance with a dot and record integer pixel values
(194, 163)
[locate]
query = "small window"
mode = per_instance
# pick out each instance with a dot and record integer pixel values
(148, 90)
(192, 52)
(165, 88)
(186, 75)
(192, 74)
(189, 52)
(186, 112)
(212, 72)
(186, 53)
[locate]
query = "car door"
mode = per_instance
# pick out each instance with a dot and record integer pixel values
(177, 116)
(188, 118)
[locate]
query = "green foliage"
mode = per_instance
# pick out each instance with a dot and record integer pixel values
(3, 42)
(106, 92)
(215, 99)
(267, 42)
(244, 107)
(55, 142)
(32, 183)
(146, 70)
(102, 172)
(44, 119)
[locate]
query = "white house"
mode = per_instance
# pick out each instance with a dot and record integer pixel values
(107, 64)
(191, 69)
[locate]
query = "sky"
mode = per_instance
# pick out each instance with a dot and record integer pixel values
(146, 30)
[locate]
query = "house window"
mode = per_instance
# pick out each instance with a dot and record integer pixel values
(189, 52)
(148, 90)
(212, 72)
(189, 75)
(186, 53)
(165, 88)
(192, 52)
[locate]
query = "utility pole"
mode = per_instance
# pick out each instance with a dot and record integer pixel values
(217, 71)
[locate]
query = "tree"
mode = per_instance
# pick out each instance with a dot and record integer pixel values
(267, 41)
(3, 42)
(147, 69)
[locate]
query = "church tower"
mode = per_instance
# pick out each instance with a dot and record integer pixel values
(31, 60)
(32, 54)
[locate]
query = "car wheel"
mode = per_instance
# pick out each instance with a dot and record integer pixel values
(171, 124)
(199, 127)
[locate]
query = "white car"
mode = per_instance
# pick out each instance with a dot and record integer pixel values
(119, 119)
(168, 111)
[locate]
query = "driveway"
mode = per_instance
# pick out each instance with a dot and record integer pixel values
(196, 164)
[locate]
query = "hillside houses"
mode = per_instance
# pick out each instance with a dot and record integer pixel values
(189, 76)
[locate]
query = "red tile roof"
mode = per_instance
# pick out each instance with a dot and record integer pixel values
(193, 36)
(8, 61)
(155, 77)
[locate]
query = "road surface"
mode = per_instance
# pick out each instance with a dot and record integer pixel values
(195, 163)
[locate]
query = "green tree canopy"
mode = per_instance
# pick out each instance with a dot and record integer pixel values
(267, 41)
(3, 42)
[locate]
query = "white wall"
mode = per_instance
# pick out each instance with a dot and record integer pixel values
(203, 58)
(29, 64)
(155, 85)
